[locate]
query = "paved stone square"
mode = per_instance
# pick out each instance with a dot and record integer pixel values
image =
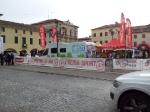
(26, 91)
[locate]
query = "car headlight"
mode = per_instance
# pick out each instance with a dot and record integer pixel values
(116, 83)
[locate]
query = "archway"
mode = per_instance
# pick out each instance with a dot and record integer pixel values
(145, 47)
(23, 52)
(34, 50)
(10, 50)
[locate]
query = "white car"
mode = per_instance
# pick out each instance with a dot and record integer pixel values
(131, 92)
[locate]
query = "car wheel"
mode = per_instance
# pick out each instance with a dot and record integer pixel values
(135, 102)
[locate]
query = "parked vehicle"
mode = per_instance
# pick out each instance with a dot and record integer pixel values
(131, 92)
(15, 55)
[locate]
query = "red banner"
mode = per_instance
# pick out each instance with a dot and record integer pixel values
(42, 36)
(54, 34)
(129, 30)
(122, 37)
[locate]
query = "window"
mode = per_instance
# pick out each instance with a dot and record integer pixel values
(30, 32)
(39, 41)
(135, 36)
(106, 41)
(70, 32)
(3, 29)
(144, 29)
(106, 33)
(16, 31)
(23, 40)
(101, 42)
(60, 30)
(66, 32)
(101, 34)
(63, 50)
(143, 35)
(135, 29)
(24, 31)
(16, 40)
(135, 43)
(45, 52)
(31, 40)
(3, 38)
(74, 33)
(53, 50)
(94, 34)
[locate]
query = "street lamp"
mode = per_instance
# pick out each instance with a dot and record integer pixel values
(60, 33)
(112, 32)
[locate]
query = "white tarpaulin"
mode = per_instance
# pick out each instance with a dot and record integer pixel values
(78, 63)
(1, 45)
(128, 64)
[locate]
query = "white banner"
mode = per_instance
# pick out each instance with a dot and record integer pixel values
(22, 60)
(78, 63)
(128, 64)
(146, 64)
(1, 45)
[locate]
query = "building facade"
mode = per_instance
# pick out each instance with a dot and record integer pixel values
(139, 34)
(70, 31)
(19, 37)
(85, 39)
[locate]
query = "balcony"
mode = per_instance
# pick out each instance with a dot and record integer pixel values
(24, 45)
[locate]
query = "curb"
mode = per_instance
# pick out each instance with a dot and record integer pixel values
(104, 79)
(82, 70)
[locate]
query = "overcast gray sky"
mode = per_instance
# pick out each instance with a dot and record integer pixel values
(87, 14)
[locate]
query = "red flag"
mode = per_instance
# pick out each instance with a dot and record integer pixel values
(54, 34)
(122, 37)
(42, 36)
(129, 30)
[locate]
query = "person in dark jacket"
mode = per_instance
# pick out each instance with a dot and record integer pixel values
(8, 59)
(12, 58)
(2, 58)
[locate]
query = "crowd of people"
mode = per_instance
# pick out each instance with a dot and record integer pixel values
(8, 58)
(117, 54)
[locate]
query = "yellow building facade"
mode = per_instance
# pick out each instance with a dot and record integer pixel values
(19, 37)
(139, 34)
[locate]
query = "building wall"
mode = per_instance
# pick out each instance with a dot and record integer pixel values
(65, 38)
(10, 40)
(140, 39)
(103, 38)
(108, 38)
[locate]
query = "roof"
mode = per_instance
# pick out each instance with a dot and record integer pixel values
(107, 26)
(53, 20)
(113, 44)
(15, 25)
(135, 29)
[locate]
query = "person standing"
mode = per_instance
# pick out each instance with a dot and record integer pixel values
(8, 59)
(146, 55)
(12, 58)
(2, 58)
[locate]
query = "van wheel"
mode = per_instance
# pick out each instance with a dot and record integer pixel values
(135, 102)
